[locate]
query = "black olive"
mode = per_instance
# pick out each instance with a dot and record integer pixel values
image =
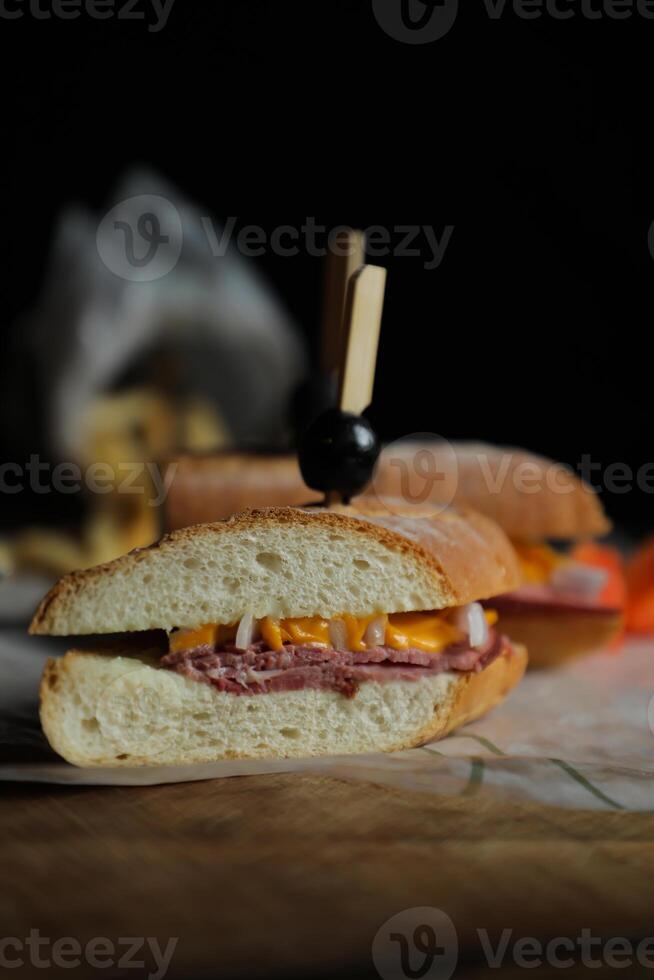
(338, 453)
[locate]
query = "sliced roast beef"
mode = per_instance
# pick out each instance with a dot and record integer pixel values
(259, 670)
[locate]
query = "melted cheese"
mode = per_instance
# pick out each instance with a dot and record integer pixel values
(355, 629)
(425, 631)
(189, 639)
(428, 631)
(271, 632)
(211, 634)
(537, 561)
(307, 630)
(492, 616)
(310, 629)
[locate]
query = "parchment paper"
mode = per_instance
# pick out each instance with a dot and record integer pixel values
(580, 736)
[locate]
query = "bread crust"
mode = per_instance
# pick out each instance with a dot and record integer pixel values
(467, 556)
(475, 694)
(498, 481)
(494, 480)
(469, 697)
(556, 636)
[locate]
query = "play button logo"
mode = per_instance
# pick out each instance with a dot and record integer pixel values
(416, 21)
(416, 944)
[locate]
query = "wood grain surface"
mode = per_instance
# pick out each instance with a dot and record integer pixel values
(284, 876)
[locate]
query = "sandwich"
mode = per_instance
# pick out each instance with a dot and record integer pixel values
(281, 633)
(563, 608)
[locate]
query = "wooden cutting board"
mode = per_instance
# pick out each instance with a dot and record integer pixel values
(293, 875)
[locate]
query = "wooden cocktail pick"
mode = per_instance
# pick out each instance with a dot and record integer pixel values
(361, 329)
(346, 256)
(319, 392)
(339, 450)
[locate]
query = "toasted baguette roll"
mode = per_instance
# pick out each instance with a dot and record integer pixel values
(121, 710)
(529, 496)
(287, 562)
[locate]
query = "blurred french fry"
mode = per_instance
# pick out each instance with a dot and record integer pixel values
(38, 549)
(124, 431)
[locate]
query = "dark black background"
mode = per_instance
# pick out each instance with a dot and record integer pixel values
(527, 136)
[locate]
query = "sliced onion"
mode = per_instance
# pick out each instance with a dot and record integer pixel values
(471, 620)
(245, 632)
(579, 580)
(337, 634)
(375, 635)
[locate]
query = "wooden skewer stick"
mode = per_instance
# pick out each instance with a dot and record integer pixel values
(341, 263)
(361, 327)
(337, 453)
